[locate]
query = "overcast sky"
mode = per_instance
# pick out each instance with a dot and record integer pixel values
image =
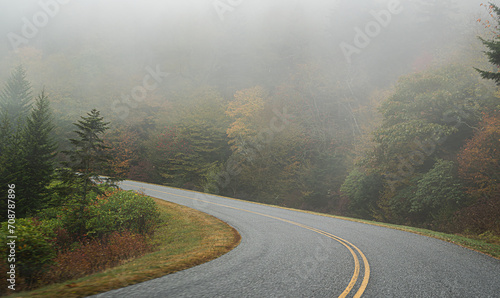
(199, 31)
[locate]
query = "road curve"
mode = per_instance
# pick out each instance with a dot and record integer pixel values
(286, 253)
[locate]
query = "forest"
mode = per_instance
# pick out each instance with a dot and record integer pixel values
(387, 110)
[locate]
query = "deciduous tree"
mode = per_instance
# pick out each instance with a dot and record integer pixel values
(479, 159)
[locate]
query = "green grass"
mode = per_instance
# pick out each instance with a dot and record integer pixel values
(188, 238)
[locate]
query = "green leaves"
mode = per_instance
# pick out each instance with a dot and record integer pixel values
(34, 252)
(431, 106)
(121, 211)
(363, 190)
(438, 192)
(425, 122)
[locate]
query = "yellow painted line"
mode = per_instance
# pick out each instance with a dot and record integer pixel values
(344, 242)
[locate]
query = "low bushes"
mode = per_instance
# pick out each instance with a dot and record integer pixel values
(48, 249)
(31, 252)
(94, 255)
(121, 211)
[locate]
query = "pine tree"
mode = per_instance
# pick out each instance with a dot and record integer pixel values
(88, 157)
(11, 169)
(14, 107)
(38, 152)
(493, 52)
(15, 100)
(86, 161)
(15, 104)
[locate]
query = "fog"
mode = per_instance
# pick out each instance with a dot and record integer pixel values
(369, 109)
(235, 44)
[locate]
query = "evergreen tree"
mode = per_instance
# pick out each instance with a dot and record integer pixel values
(88, 159)
(38, 152)
(26, 159)
(15, 101)
(187, 153)
(493, 52)
(14, 107)
(11, 170)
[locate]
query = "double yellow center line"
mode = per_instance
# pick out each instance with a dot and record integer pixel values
(351, 247)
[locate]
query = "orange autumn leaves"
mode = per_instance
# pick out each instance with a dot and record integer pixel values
(486, 23)
(479, 160)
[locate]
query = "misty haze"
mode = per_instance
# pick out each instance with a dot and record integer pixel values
(381, 110)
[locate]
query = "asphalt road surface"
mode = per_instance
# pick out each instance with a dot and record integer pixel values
(286, 253)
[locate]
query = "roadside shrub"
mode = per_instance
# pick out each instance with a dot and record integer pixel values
(33, 250)
(58, 222)
(121, 211)
(95, 255)
(58, 235)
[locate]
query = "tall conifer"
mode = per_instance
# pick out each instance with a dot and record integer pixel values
(493, 52)
(38, 152)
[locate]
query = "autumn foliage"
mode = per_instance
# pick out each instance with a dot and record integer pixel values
(479, 160)
(479, 167)
(118, 227)
(93, 255)
(122, 145)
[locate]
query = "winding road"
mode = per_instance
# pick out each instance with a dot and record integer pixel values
(287, 253)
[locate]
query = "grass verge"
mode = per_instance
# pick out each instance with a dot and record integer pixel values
(188, 238)
(486, 244)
